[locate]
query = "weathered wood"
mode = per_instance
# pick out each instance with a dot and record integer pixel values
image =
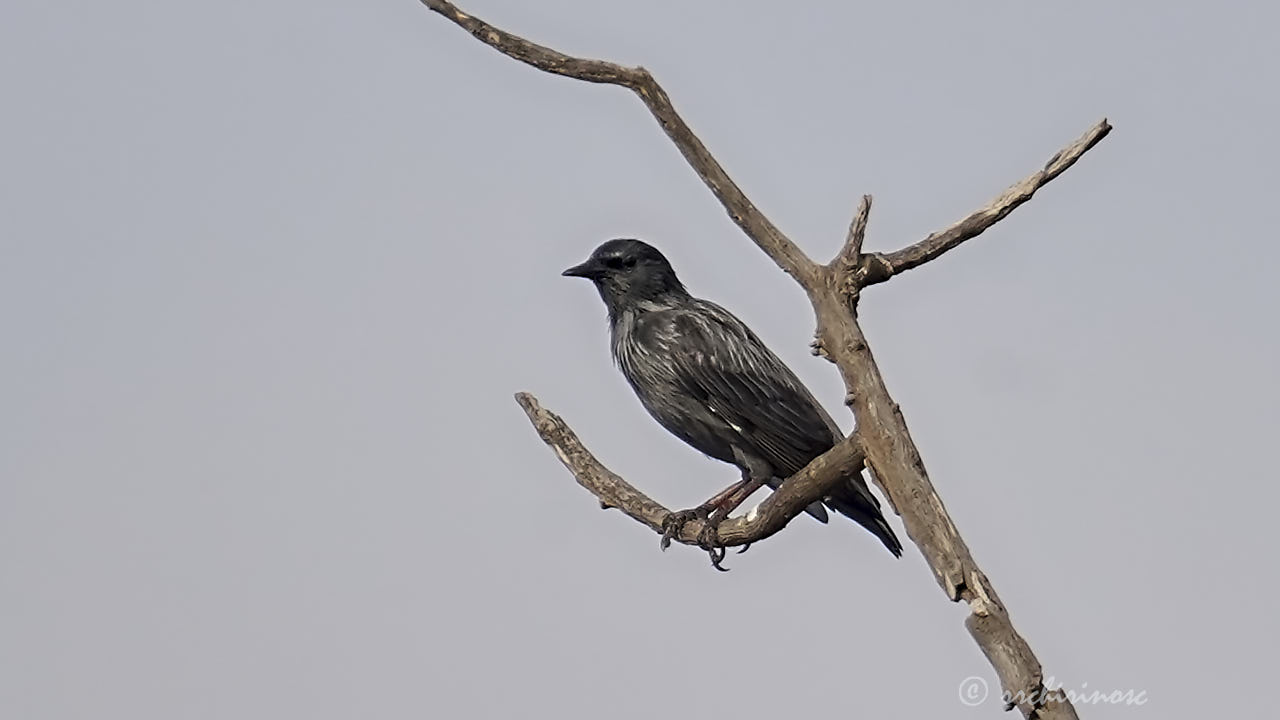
(882, 437)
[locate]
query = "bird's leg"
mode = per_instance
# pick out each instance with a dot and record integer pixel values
(741, 491)
(755, 474)
(672, 524)
(723, 504)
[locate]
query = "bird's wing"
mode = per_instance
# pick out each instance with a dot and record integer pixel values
(720, 362)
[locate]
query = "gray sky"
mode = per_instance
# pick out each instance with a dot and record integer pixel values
(270, 273)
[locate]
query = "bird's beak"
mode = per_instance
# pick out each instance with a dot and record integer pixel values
(589, 269)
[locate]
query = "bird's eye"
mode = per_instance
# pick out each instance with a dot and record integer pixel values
(617, 263)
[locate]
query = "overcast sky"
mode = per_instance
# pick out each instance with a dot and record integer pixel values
(270, 273)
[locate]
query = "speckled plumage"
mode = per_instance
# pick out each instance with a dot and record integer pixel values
(706, 378)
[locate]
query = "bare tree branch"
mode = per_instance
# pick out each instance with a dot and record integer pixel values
(879, 267)
(789, 500)
(845, 269)
(833, 290)
(759, 228)
(899, 471)
(852, 250)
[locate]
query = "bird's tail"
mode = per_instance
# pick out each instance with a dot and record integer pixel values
(855, 501)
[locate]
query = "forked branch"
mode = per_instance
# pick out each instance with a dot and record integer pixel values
(882, 433)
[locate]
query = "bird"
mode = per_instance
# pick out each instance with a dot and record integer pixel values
(705, 377)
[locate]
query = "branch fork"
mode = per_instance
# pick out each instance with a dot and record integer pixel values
(882, 439)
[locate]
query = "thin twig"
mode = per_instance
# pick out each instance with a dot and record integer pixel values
(879, 267)
(852, 250)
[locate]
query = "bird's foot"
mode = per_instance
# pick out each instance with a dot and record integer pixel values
(709, 540)
(673, 523)
(708, 537)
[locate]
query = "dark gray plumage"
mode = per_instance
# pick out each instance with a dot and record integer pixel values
(705, 377)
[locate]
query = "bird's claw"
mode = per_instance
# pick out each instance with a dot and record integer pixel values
(674, 522)
(709, 540)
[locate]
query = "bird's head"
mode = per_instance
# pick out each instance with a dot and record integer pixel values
(630, 274)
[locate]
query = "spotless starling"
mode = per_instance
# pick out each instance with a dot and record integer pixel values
(710, 381)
